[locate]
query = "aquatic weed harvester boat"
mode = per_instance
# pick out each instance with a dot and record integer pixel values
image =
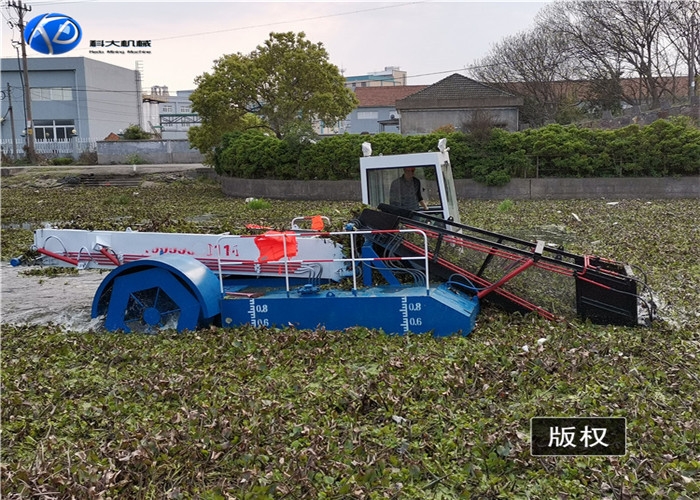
(391, 269)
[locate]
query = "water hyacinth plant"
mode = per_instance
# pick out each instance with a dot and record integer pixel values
(287, 413)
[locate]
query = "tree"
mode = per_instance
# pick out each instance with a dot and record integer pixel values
(684, 36)
(135, 133)
(533, 64)
(614, 39)
(282, 86)
(588, 56)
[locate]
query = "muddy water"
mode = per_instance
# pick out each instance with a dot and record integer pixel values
(64, 300)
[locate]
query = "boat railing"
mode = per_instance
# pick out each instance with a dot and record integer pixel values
(290, 239)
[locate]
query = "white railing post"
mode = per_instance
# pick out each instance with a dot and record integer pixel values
(352, 259)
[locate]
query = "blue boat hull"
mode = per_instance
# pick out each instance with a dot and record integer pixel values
(392, 309)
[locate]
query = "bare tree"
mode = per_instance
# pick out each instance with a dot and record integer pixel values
(683, 34)
(532, 64)
(594, 55)
(479, 125)
(618, 40)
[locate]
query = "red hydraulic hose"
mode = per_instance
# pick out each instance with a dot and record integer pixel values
(57, 256)
(110, 256)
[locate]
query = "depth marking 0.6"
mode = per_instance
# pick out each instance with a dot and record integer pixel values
(404, 314)
(254, 310)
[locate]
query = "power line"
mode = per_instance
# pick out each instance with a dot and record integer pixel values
(314, 18)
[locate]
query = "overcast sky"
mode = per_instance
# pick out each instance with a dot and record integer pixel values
(428, 40)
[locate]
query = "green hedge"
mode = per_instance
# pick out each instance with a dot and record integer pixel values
(663, 148)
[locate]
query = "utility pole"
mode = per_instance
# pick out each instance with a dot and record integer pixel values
(12, 122)
(692, 73)
(21, 9)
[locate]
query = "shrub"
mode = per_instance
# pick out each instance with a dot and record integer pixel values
(135, 159)
(666, 147)
(64, 160)
(87, 158)
(257, 204)
(135, 133)
(250, 155)
(506, 206)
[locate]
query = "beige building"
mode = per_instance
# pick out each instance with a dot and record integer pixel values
(458, 101)
(390, 77)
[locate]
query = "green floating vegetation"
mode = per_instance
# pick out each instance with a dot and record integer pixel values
(283, 413)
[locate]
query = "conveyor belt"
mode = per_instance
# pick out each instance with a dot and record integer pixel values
(520, 275)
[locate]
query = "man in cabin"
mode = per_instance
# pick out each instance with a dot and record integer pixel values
(406, 191)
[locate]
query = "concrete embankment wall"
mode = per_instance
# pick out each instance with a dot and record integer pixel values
(147, 151)
(516, 189)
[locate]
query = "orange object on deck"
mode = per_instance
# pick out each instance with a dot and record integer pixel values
(272, 246)
(317, 223)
